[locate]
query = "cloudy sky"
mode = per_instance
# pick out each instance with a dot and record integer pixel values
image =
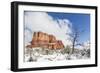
(57, 24)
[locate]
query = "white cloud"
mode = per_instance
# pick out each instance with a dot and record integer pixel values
(27, 35)
(41, 21)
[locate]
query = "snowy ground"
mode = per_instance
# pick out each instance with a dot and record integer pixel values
(36, 55)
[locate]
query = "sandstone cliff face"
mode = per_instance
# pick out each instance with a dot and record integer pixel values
(45, 40)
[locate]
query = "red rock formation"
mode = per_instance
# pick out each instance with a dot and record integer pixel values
(45, 40)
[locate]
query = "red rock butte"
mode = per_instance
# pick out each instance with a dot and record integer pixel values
(45, 40)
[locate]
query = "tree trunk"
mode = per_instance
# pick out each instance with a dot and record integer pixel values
(73, 46)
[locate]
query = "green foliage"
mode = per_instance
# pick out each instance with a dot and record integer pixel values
(46, 51)
(66, 50)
